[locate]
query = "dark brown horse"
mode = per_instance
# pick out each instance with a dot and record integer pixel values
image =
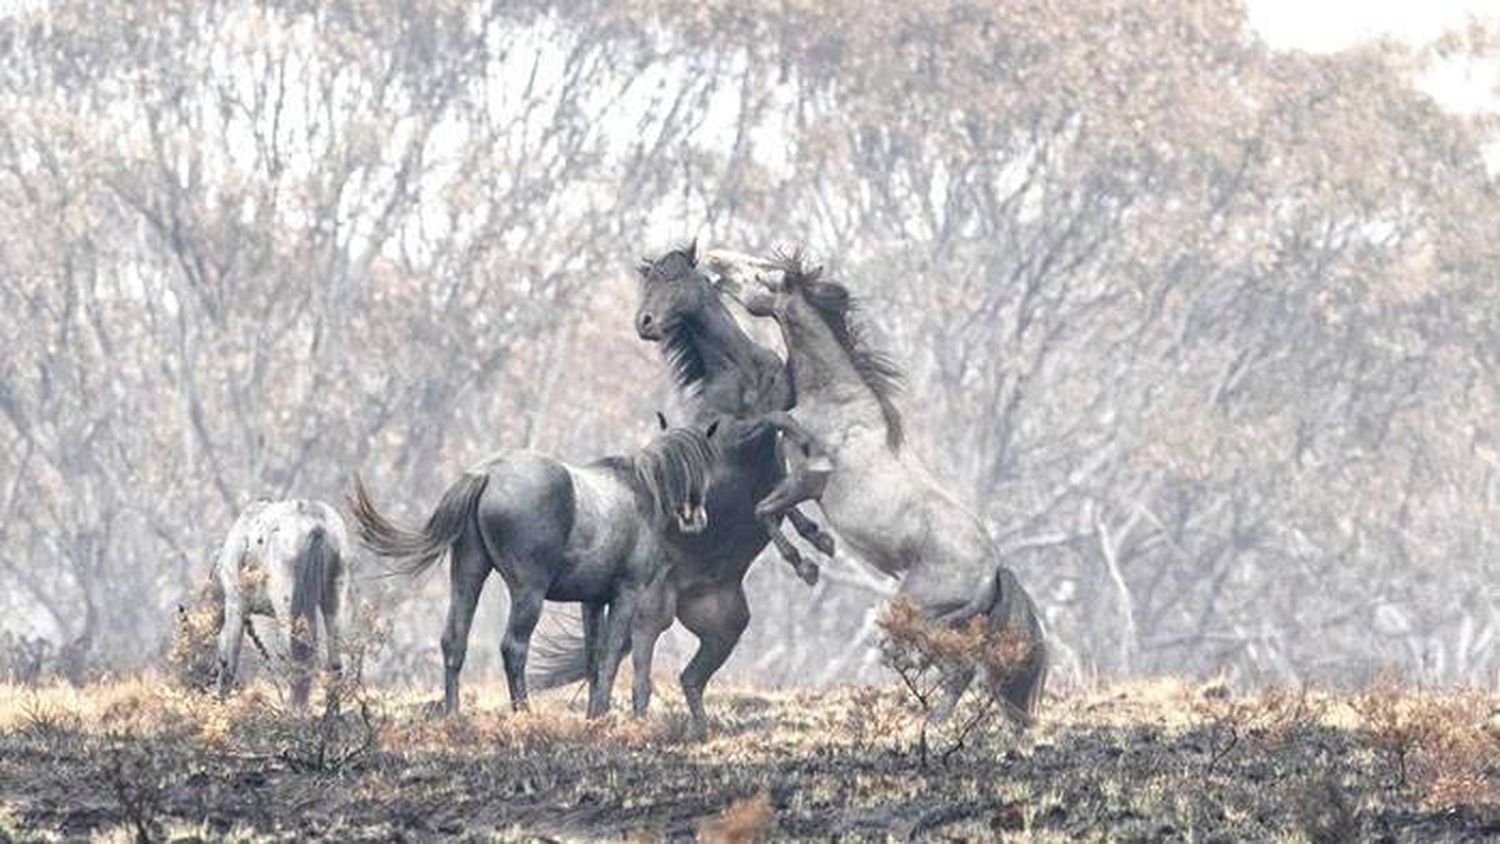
(720, 374)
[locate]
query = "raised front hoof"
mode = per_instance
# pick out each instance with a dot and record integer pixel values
(823, 542)
(809, 573)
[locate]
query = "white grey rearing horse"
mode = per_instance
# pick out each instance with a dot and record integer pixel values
(288, 560)
(878, 497)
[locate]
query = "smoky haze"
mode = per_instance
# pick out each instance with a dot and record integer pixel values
(1205, 330)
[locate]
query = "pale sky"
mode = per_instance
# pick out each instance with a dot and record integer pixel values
(1322, 25)
(1326, 25)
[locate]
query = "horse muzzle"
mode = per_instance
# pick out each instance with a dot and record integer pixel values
(693, 522)
(648, 328)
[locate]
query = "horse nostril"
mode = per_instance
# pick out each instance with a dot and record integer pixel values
(645, 320)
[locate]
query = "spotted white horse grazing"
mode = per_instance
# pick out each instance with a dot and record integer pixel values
(288, 560)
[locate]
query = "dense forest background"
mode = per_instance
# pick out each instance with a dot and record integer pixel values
(1207, 331)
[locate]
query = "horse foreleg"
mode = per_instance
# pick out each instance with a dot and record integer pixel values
(717, 617)
(616, 637)
(231, 637)
(811, 531)
(466, 575)
(805, 569)
(792, 489)
(525, 612)
(658, 606)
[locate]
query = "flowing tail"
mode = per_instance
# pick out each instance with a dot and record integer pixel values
(312, 566)
(1011, 612)
(413, 551)
(1015, 614)
(558, 658)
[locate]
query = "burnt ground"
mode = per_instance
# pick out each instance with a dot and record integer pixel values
(1146, 761)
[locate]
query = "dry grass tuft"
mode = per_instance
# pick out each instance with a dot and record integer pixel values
(746, 821)
(1144, 760)
(1441, 746)
(193, 659)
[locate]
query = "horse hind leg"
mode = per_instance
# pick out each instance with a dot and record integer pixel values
(525, 612)
(622, 612)
(335, 602)
(467, 571)
(718, 618)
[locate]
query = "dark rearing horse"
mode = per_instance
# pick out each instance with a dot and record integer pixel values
(720, 374)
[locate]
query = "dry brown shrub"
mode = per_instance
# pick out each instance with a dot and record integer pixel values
(193, 659)
(1266, 722)
(745, 821)
(924, 656)
(1439, 744)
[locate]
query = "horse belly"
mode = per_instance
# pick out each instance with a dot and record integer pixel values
(865, 509)
(601, 544)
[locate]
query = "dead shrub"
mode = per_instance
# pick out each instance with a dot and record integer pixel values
(193, 658)
(745, 821)
(133, 777)
(924, 656)
(1268, 721)
(1438, 744)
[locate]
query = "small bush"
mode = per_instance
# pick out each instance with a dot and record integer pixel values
(1438, 745)
(925, 657)
(193, 659)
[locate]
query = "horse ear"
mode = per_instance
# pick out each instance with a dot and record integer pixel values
(712, 427)
(692, 252)
(661, 420)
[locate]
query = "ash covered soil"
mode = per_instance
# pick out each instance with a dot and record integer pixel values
(1161, 760)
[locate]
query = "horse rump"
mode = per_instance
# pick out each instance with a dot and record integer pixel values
(413, 551)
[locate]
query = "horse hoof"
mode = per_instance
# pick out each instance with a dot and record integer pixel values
(809, 574)
(824, 543)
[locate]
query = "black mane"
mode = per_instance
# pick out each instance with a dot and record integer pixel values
(834, 303)
(679, 346)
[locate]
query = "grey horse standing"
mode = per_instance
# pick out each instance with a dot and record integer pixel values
(592, 534)
(878, 497)
(287, 560)
(719, 373)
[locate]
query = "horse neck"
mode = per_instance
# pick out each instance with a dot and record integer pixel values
(735, 366)
(820, 366)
